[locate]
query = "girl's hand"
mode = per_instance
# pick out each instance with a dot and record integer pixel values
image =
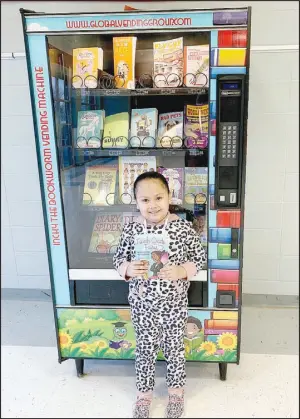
(137, 268)
(172, 273)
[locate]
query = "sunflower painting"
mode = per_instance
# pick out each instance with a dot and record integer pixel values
(109, 334)
(227, 341)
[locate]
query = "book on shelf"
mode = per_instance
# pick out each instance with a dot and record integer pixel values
(170, 130)
(223, 276)
(218, 332)
(224, 315)
(130, 167)
(195, 185)
(229, 287)
(100, 185)
(143, 127)
(174, 177)
(124, 48)
(168, 63)
(106, 233)
(90, 128)
(130, 217)
(196, 125)
(200, 226)
(196, 66)
(116, 129)
(220, 324)
(86, 64)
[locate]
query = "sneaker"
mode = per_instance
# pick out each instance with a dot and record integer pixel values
(142, 407)
(175, 407)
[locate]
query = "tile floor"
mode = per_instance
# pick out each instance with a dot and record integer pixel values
(33, 384)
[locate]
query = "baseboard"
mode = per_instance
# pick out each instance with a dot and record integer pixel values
(23, 294)
(270, 300)
(248, 299)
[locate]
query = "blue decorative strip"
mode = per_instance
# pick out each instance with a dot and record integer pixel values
(226, 70)
(224, 264)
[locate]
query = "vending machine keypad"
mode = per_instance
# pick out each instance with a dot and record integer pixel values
(229, 141)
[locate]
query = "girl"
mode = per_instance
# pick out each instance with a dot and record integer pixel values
(158, 306)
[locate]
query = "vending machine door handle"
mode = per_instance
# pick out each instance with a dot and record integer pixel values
(234, 243)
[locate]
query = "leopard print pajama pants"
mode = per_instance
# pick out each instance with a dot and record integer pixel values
(159, 321)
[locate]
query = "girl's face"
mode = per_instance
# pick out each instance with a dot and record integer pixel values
(153, 200)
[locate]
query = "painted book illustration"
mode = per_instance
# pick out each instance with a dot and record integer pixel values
(175, 181)
(170, 130)
(196, 66)
(129, 169)
(195, 185)
(151, 249)
(143, 127)
(116, 129)
(124, 61)
(86, 64)
(106, 233)
(196, 125)
(100, 185)
(168, 63)
(90, 129)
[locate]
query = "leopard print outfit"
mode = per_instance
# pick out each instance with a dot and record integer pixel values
(159, 309)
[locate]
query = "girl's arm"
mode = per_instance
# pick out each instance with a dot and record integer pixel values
(122, 256)
(195, 252)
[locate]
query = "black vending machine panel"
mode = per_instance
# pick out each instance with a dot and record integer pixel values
(230, 137)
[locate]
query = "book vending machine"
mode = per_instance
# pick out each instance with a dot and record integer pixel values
(118, 94)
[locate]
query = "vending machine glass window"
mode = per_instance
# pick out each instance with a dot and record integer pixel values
(107, 135)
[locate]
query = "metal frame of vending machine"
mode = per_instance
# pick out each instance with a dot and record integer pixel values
(91, 312)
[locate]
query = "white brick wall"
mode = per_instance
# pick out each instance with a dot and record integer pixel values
(271, 254)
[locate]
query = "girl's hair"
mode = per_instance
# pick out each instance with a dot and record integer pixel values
(150, 175)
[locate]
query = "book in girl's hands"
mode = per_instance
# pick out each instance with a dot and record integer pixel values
(151, 249)
(129, 169)
(196, 126)
(100, 185)
(195, 185)
(196, 65)
(116, 129)
(168, 63)
(106, 233)
(170, 130)
(86, 64)
(90, 129)
(143, 127)
(124, 61)
(175, 182)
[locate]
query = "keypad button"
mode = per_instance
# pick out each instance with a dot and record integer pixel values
(229, 141)
(233, 155)
(233, 146)
(234, 128)
(234, 137)
(233, 141)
